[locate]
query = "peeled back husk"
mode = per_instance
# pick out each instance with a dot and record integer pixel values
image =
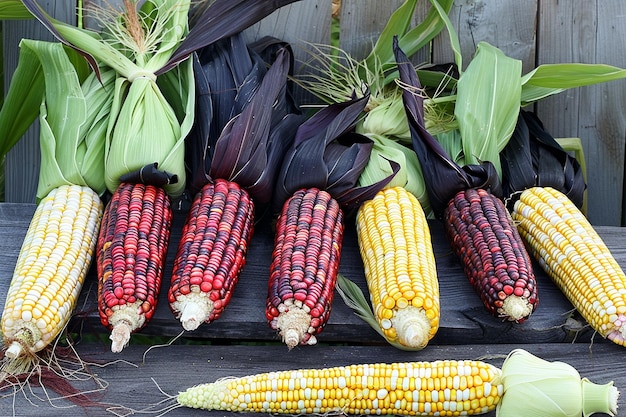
(534, 387)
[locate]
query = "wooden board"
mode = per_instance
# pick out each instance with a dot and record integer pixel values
(142, 378)
(464, 320)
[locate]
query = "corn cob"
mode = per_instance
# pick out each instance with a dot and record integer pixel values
(399, 265)
(130, 255)
(481, 232)
(305, 263)
(211, 253)
(573, 254)
(50, 270)
(440, 388)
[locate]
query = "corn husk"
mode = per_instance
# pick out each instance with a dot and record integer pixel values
(70, 154)
(443, 177)
(328, 154)
(143, 127)
(534, 387)
(245, 119)
(534, 158)
(13, 9)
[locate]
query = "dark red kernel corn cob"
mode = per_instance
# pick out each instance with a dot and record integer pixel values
(495, 260)
(305, 263)
(130, 254)
(211, 253)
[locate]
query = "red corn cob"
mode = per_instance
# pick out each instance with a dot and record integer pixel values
(305, 262)
(495, 260)
(131, 251)
(211, 253)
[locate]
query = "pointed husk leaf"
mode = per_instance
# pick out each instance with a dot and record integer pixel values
(247, 151)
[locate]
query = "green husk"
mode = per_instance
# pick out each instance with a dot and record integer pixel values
(13, 10)
(487, 104)
(409, 175)
(68, 154)
(534, 387)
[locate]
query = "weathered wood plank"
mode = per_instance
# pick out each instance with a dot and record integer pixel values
(132, 382)
(586, 31)
(463, 317)
(509, 25)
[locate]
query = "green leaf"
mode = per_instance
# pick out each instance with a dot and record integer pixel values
(13, 10)
(411, 40)
(21, 104)
(355, 299)
(550, 79)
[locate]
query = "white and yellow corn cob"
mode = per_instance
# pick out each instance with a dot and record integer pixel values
(50, 270)
(576, 258)
(445, 388)
(399, 265)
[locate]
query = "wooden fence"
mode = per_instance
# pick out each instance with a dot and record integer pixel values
(534, 31)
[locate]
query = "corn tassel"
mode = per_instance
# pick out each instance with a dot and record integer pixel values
(576, 258)
(51, 268)
(446, 387)
(399, 265)
(211, 253)
(131, 251)
(305, 263)
(495, 260)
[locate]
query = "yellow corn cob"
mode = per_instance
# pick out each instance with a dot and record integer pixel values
(399, 265)
(443, 388)
(50, 270)
(575, 257)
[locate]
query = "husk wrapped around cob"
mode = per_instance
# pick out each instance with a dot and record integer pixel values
(468, 200)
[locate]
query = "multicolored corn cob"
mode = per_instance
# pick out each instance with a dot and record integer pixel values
(495, 260)
(51, 267)
(399, 265)
(211, 253)
(576, 258)
(131, 251)
(305, 263)
(440, 388)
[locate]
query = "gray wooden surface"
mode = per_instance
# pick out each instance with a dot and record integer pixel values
(148, 377)
(532, 31)
(464, 320)
(240, 342)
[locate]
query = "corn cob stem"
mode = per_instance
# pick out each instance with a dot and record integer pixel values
(573, 254)
(305, 263)
(211, 253)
